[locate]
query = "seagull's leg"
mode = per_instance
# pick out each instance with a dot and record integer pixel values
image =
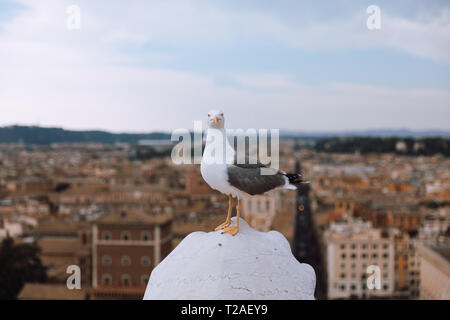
(230, 209)
(234, 229)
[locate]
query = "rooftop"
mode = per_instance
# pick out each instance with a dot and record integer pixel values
(133, 218)
(43, 291)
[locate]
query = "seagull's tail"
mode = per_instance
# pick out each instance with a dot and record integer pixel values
(294, 180)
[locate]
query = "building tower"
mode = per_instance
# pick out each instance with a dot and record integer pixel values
(306, 246)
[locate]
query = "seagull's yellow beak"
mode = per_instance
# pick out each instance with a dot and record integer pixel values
(215, 119)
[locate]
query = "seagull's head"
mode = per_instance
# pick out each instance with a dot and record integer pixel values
(216, 119)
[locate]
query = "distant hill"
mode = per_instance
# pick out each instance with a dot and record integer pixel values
(414, 146)
(45, 136)
(368, 133)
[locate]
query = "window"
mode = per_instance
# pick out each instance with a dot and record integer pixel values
(343, 256)
(126, 280)
(125, 236)
(353, 246)
(374, 255)
(84, 238)
(353, 256)
(145, 236)
(374, 246)
(107, 279)
(385, 246)
(106, 235)
(353, 287)
(385, 287)
(126, 261)
(145, 260)
(364, 255)
(342, 265)
(106, 260)
(343, 287)
(353, 266)
(144, 279)
(364, 246)
(267, 205)
(342, 275)
(342, 246)
(385, 255)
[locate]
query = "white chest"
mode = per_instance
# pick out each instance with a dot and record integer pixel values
(217, 155)
(215, 175)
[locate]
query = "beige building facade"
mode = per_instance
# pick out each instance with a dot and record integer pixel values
(352, 246)
(260, 210)
(434, 272)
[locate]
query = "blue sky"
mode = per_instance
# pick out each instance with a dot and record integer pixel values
(160, 65)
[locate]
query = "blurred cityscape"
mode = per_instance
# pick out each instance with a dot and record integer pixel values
(117, 209)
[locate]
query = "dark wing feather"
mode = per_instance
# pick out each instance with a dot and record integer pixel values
(250, 180)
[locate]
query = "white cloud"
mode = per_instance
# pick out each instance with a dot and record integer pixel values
(202, 23)
(186, 23)
(143, 99)
(79, 79)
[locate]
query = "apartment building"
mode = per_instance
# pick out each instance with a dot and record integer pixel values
(351, 247)
(407, 267)
(126, 246)
(434, 271)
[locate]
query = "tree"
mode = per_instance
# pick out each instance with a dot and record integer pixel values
(18, 264)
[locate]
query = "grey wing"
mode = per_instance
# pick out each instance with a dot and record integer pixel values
(249, 163)
(251, 181)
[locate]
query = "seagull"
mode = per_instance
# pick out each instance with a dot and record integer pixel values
(221, 171)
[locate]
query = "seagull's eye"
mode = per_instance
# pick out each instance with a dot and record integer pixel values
(221, 114)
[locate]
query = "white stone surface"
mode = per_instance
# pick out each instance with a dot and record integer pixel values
(249, 265)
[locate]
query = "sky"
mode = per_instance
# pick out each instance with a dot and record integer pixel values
(148, 65)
